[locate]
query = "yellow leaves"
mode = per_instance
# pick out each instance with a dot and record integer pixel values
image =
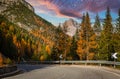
(48, 49)
(45, 39)
(1, 59)
(91, 55)
(85, 44)
(14, 39)
(11, 28)
(93, 44)
(80, 42)
(93, 37)
(23, 42)
(80, 50)
(42, 58)
(16, 42)
(3, 24)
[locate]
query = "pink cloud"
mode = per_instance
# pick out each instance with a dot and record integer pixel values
(73, 8)
(45, 6)
(48, 7)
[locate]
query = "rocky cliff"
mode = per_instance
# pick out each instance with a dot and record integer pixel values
(70, 26)
(6, 3)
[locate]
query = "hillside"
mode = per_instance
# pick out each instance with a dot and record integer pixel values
(24, 35)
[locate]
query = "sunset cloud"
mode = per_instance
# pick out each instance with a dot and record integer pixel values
(73, 8)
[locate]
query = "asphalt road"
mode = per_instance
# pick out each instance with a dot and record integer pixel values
(66, 72)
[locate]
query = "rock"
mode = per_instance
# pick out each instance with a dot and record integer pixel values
(10, 2)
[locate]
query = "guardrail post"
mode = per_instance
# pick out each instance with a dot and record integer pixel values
(100, 64)
(114, 64)
(85, 63)
(72, 63)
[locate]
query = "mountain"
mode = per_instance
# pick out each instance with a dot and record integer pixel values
(20, 13)
(70, 26)
(23, 34)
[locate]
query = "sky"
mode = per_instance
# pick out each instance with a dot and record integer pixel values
(58, 11)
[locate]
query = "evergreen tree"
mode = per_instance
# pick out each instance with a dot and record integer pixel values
(61, 44)
(97, 29)
(106, 40)
(97, 26)
(73, 49)
(118, 23)
(117, 35)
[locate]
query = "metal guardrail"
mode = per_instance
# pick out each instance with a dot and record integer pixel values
(73, 62)
(7, 69)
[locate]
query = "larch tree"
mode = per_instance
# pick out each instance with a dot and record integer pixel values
(81, 41)
(91, 44)
(86, 43)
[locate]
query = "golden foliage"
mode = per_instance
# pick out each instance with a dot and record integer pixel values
(45, 40)
(14, 39)
(42, 58)
(87, 39)
(93, 44)
(91, 56)
(93, 37)
(48, 49)
(1, 60)
(23, 42)
(80, 49)
(3, 24)
(11, 28)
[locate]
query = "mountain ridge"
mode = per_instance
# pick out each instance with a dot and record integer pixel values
(23, 33)
(10, 2)
(19, 13)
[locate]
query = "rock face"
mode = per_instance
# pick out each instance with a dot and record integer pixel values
(70, 26)
(18, 12)
(21, 13)
(10, 2)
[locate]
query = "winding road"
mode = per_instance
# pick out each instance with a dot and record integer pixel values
(66, 72)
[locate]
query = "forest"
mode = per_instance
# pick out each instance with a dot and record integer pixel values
(91, 42)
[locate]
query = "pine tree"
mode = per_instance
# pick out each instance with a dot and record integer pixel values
(73, 49)
(106, 40)
(97, 26)
(118, 23)
(97, 29)
(117, 34)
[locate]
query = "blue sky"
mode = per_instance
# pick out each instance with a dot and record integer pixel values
(57, 11)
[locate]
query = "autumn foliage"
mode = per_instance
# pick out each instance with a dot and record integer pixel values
(47, 42)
